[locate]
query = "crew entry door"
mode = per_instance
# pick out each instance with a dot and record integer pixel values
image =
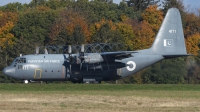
(38, 73)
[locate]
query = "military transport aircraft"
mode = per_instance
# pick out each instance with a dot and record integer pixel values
(104, 66)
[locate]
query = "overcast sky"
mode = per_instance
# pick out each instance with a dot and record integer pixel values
(192, 3)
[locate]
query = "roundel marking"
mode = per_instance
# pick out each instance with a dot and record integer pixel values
(132, 67)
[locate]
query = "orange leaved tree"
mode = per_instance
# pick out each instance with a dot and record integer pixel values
(7, 20)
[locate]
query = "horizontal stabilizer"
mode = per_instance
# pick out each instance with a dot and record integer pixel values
(116, 55)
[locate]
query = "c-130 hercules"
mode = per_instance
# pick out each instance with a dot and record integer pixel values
(105, 66)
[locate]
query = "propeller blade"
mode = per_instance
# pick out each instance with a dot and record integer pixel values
(37, 50)
(69, 49)
(46, 51)
(82, 48)
(70, 68)
(81, 54)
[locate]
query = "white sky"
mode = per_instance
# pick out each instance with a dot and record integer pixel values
(192, 3)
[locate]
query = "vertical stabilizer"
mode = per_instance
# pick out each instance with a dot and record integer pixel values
(170, 38)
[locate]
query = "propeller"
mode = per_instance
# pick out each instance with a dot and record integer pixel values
(37, 50)
(70, 56)
(45, 50)
(81, 55)
(82, 48)
(69, 49)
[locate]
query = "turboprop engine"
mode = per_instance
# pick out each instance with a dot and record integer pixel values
(91, 58)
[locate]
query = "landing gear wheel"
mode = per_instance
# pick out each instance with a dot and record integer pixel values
(97, 82)
(87, 82)
(25, 81)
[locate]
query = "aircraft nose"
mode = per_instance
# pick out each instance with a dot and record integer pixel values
(10, 71)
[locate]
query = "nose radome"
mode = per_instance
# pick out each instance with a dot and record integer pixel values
(10, 71)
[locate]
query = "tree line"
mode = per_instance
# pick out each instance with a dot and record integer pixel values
(133, 23)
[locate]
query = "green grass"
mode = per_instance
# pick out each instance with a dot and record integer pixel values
(118, 90)
(98, 87)
(100, 97)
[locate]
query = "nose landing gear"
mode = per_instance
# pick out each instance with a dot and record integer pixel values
(25, 81)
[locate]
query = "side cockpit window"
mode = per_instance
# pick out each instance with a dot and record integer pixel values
(15, 62)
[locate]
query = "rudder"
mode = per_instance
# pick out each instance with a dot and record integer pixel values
(170, 38)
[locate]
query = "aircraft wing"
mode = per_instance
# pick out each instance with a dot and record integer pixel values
(116, 55)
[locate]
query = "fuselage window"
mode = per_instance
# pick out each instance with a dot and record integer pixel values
(45, 70)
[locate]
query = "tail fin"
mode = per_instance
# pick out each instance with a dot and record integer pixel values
(170, 41)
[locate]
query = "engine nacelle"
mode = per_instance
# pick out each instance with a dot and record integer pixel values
(92, 58)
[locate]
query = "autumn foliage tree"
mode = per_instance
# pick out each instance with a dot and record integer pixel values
(193, 44)
(109, 32)
(192, 33)
(192, 24)
(144, 35)
(105, 32)
(154, 17)
(33, 24)
(65, 27)
(127, 33)
(141, 4)
(145, 30)
(7, 21)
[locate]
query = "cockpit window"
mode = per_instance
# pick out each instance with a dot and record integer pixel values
(18, 60)
(22, 60)
(14, 62)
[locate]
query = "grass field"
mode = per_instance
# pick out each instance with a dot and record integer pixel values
(99, 98)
